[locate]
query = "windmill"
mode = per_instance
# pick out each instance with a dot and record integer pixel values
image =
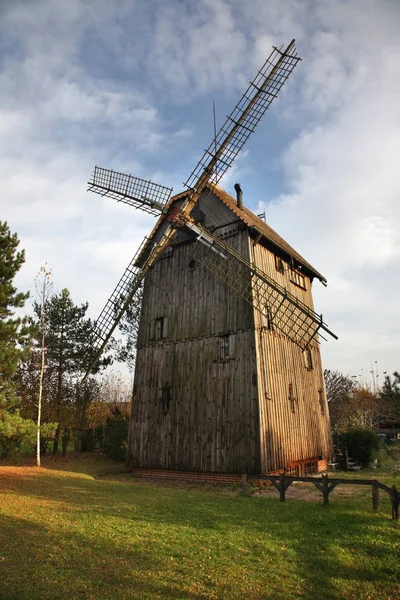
(293, 318)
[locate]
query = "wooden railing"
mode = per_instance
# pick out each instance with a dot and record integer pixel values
(326, 485)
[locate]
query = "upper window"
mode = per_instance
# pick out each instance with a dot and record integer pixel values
(168, 252)
(279, 266)
(298, 279)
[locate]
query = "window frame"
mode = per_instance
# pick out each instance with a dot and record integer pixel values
(165, 397)
(292, 399)
(279, 264)
(321, 401)
(297, 278)
(224, 348)
(160, 328)
(308, 359)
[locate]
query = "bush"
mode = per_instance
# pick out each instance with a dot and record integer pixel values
(116, 436)
(361, 443)
(15, 432)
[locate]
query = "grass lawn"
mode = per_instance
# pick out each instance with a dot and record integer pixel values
(80, 529)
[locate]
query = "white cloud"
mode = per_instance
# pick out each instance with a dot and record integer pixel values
(121, 85)
(342, 211)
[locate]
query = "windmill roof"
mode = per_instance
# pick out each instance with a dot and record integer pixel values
(255, 223)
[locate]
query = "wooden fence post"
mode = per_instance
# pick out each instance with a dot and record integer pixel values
(395, 498)
(375, 495)
(325, 489)
(245, 485)
(282, 490)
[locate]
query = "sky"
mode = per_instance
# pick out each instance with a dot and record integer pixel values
(130, 85)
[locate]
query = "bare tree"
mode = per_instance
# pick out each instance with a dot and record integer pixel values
(43, 285)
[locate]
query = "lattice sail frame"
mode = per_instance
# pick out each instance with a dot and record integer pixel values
(118, 302)
(216, 160)
(283, 310)
(244, 118)
(139, 193)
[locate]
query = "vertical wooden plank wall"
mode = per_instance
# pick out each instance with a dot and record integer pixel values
(229, 416)
(213, 423)
(290, 430)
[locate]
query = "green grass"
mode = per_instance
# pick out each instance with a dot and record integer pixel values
(79, 529)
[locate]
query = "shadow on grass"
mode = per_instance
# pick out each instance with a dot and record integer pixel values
(159, 542)
(96, 465)
(51, 565)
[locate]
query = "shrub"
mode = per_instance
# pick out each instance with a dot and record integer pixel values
(15, 432)
(361, 443)
(116, 436)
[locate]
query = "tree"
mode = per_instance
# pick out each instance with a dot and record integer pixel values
(43, 284)
(338, 386)
(111, 400)
(129, 327)
(390, 399)
(15, 337)
(391, 387)
(14, 332)
(339, 389)
(350, 405)
(69, 348)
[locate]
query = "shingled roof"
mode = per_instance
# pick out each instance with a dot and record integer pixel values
(254, 223)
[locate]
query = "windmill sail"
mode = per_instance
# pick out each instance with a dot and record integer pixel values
(216, 160)
(233, 135)
(244, 118)
(116, 306)
(282, 310)
(139, 193)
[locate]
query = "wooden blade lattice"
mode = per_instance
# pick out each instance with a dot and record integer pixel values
(139, 193)
(152, 198)
(244, 118)
(282, 310)
(117, 303)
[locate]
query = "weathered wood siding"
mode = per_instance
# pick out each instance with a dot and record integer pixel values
(213, 421)
(297, 429)
(232, 415)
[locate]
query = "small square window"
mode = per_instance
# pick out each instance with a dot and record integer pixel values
(298, 279)
(165, 400)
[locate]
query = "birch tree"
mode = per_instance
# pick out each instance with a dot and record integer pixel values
(43, 285)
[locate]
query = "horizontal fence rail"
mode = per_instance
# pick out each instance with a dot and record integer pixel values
(326, 485)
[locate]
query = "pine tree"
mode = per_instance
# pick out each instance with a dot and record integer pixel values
(390, 397)
(14, 332)
(69, 347)
(14, 344)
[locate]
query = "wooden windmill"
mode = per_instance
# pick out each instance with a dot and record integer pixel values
(228, 373)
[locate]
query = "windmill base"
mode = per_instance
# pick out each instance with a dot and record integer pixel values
(297, 468)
